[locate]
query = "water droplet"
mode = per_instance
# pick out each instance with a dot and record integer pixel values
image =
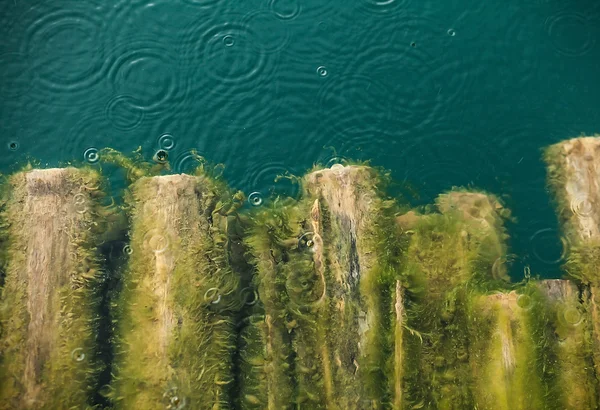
(306, 241)
(212, 295)
(78, 355)
(524, 302)
(91, 155)
(166, 142)
(127, 249)
(161, 156)
(451, 32)
(228, 41)
(255, 199)
(322, 71)
(13, 145)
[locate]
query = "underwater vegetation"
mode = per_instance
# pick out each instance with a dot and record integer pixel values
(341, 298)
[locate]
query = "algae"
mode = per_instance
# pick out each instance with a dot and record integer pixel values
(180, 296)
(52, 223)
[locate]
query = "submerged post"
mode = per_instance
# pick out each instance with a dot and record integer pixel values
(326, 276)
(51, 222)
(176, 338)
(453, 257)
(574, 176)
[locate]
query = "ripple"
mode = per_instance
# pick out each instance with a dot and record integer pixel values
(173, 400)
(382, 7)
(147, 72)
(353, 106)
(572, 316)
(271, 34)
(156, 241)
(78, 355)
(187, 162)
(17, 75)
(66, 48)
(525, 302)
(582, 206)
(255, 199)
(13, 145)
(263, 178)
(124, 112)
(571, 33)
(285, 9)
(206, 4)
(434, 76)
(230, 76)
(239, 63)
(166, 142)
(546, 243)
(91, 155)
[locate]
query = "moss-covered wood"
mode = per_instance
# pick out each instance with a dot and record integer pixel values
(454, 256)
(326, 276)
(573, 177)
(180, 296)
(52, 222)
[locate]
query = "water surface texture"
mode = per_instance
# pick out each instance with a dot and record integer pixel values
(459, 92)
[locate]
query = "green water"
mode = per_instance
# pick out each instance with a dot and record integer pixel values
(459, 92)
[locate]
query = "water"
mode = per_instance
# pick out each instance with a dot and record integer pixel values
(460, 92)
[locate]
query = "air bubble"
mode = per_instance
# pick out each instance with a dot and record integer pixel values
(451, 32)
(13, 145)
(127, 249)
(322, 71)
(255, 199)
(166, 142)
(524, 302)
(78, 355)
(161, 156)
(306, 241)
(91, 155)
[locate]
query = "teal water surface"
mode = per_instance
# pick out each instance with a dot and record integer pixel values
(459, 92)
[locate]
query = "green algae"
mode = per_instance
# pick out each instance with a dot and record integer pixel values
(52, 222)
(326, 275)
(180, 296)
(452, 258)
